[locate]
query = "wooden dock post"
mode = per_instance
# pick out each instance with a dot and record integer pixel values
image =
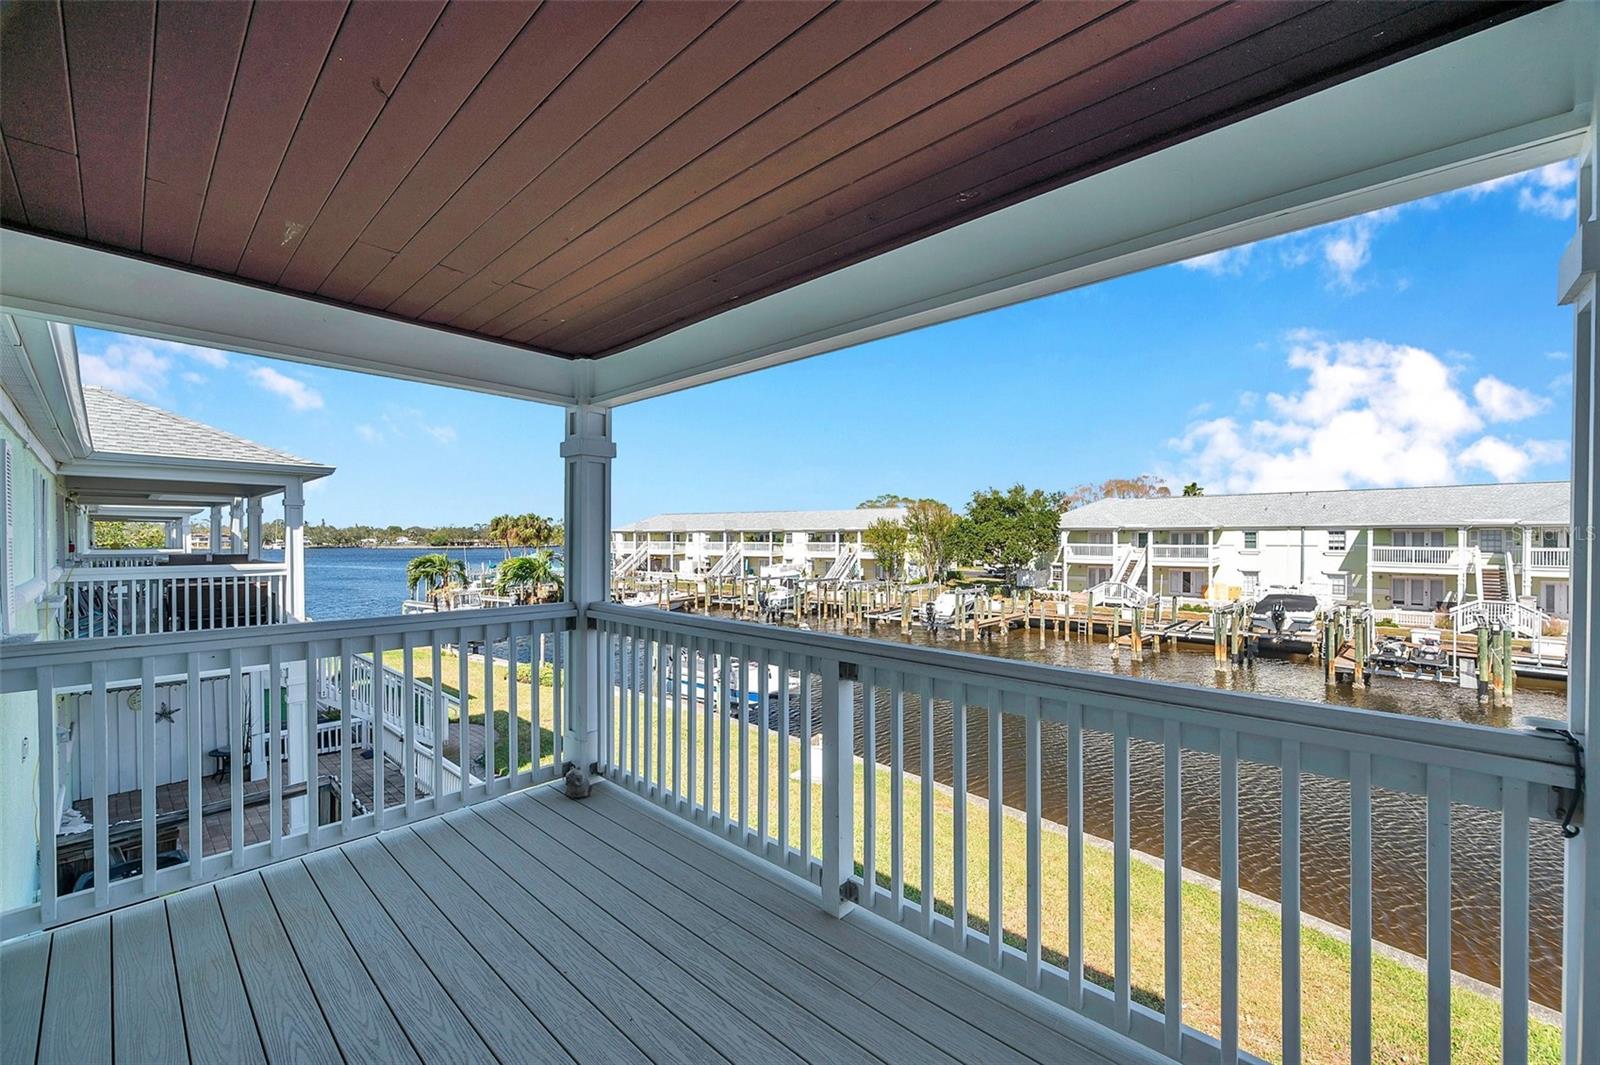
(1358, 630)
(1508, 669)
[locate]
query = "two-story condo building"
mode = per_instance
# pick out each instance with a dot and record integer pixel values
(1395, 548)
(816, 543)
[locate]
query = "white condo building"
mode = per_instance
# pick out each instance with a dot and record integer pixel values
(818, 543)
(1395, 548)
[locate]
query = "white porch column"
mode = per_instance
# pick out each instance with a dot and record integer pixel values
(588, 451)
(1527, 560)
(294, 546)
(253, 537)
(235, 527)
(1369, 566)
(214, 533)
(1581, 977)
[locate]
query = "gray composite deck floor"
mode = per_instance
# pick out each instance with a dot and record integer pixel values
(531, 928)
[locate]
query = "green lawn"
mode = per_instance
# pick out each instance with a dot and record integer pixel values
(450, 666)
(1399, 992)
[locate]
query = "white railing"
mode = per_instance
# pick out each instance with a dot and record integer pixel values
(393, 696)
(134, 600)
(630, 561)
(728, 563)
(1413, 556)
(1550, 558)
(100, 559)
(732, 775)
(1523, 620)
(291, 656)
(1512, 589)
(1089, 552)
(1181, 552)
(845, 566)
(1416, 619)
(1119, 593)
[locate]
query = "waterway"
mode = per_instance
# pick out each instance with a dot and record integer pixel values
(1399, 843)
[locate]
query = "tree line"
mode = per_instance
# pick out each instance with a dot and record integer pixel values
(1004, 530)
(503, 530)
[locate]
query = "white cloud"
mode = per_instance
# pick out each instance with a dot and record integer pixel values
(1346, 247)
(1229, 262)
(1370, 413)
(444, 434)
(141, 367)
(1502, 402)
(300, 395)
(368, 433)
(1550, 190)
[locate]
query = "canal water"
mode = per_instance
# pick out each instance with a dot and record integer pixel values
(1399, 844)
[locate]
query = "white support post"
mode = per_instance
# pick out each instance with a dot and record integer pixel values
(214, 533)
(588, 451)
(838, 787)
(1527, 561)
(253, 533)
(235, 527)
(1579, 267)
(1371, 537)
(294, 546)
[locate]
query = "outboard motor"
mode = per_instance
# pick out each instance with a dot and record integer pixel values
(1279, 616)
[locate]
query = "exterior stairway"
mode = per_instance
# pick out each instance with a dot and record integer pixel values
(729, 564)
(1131, 566)
(845, 566)
(1492, 581)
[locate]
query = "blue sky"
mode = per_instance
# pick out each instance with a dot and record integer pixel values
(1415, 345)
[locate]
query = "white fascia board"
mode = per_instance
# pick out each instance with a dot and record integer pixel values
(1500, 101)
(140, 469)
(60, 281)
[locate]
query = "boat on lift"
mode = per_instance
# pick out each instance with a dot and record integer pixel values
(1284, 621)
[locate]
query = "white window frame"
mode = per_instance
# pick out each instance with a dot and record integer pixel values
(1338, 539)
(1252, 540)
(1339, 585)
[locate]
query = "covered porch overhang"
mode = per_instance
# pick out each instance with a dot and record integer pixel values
(1448, 112)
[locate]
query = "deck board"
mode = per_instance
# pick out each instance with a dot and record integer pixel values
(147, 1015)
(77, 996)
(437, 1029)
(216, 1010)
(286, 1011)
(22, 970)
(527, 928)
(360, 1019)
(488, 1002)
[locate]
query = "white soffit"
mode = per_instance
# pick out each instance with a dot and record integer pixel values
(66, 282)
(1500, 101)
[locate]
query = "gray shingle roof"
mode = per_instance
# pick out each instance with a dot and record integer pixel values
(1531, 503)
(765, 520)
(119, 425)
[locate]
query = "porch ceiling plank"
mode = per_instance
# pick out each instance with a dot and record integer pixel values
(283, 55)
(196, 56)
(1092, 120)
(24, 964)
(47, 183)
(970, 84)
(594, 860)
(286, 1011)
(530, 988)
(216, 1011)
(361, 1021)
(147, 1013)
(552, 44)
(10, 198)
(464, 45)
(639, 50)
(370, 56)
(77, 997)
(743, 36)
(423, 1006)
(777, 145)
(721, 1020)
(950, 996)
(110, 50)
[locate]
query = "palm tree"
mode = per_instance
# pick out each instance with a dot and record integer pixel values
(524, 574)
(435, 572)
(1193, 489)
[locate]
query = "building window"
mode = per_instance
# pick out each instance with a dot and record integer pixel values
(1252, 580)
(1336, 539)
(1339, 585)
(1250, 540)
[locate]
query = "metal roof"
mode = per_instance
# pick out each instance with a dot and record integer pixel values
(766, 521)
(119, 425)
(1530, 503)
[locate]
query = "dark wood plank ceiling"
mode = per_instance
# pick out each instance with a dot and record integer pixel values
(577, 177)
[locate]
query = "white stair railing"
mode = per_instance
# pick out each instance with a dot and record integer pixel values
(631, 561)
(728, 563)
(1119, 593)
(1523, 620)
(845, 566)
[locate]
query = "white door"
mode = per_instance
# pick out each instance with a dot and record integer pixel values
(1554, 599)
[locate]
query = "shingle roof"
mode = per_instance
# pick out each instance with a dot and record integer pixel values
(765, 520)
(1531, 503)
(119, 425)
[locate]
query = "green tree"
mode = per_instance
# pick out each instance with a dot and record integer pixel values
(1193, 489)
(435, 572)
(930, 525)
(1008, 528)
(128, 535)
(887, 499)
(889, 541)
(522, 576)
